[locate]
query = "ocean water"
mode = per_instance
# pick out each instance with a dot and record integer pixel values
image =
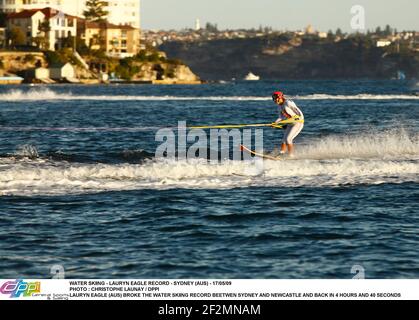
(80, 187)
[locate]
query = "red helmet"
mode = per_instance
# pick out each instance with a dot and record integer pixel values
(277, 94)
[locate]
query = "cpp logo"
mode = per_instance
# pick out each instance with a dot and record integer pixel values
(19, 287)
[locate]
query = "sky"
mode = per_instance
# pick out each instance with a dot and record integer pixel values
(323, 15)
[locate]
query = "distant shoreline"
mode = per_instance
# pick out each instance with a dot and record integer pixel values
(153, 82)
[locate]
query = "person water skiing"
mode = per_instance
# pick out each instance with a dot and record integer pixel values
(288, 110)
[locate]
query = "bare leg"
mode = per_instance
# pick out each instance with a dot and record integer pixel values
(290, 149)
(283, 148)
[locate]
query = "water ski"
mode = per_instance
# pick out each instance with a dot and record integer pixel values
(257, 154)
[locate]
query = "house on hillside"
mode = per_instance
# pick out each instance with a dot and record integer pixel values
(119, 41)
(48, 28)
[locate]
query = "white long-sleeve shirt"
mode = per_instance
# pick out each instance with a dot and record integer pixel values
(288, 110)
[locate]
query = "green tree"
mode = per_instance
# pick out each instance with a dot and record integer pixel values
(388, 31)
(3, 19)
(211, 27)
(339, 32)
(69, 42)
(126, 69)
(53, 57)
(378, 31)
(16, 36)
(141, 56)
(42, 41)
(95, 11)
(81, 46)
(153, 57)
(267, 29)
(95, 40)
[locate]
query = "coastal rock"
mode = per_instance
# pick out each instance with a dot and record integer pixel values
(184, 73)
(164, 71)
(16, 62)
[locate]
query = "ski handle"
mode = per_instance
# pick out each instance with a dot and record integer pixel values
(274, 125)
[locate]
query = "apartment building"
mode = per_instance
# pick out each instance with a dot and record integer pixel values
(123, 12)
(119, 41)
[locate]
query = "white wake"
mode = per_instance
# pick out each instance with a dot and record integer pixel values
(46, 94)
(391, 157)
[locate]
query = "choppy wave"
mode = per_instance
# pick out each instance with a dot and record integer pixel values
(80, 129)
(47, 94)
(334, 161)
(47, 178)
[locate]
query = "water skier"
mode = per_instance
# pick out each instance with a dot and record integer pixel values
(288, 110)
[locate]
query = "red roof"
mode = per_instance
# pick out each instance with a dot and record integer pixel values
(25, 14)
(22, 14)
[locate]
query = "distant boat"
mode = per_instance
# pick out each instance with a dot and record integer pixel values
(251, 77)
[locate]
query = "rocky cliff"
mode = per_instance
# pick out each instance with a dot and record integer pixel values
(148, 67)
(16, 62)
(164, 71)
(290, 57)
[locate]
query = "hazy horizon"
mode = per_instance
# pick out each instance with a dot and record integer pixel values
(323, 15)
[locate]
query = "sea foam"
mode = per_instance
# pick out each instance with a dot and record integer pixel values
(48, 94)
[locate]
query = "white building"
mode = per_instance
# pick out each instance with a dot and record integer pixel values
(61, 26)
(62, 71)
(383, 43)
(69, 6)
(125, 12)
(41, 73)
